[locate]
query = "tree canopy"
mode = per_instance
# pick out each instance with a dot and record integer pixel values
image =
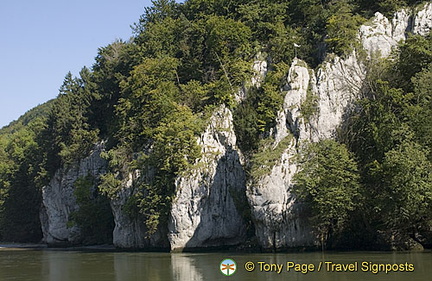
(148, 99)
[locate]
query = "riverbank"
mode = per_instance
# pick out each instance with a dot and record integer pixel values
(228, 249)
(9, 246)
(35, 246)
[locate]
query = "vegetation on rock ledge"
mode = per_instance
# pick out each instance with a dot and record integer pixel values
(148, 98)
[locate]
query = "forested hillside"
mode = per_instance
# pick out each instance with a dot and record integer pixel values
(149, 99)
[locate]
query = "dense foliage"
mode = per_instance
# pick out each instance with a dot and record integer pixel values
(22, 176)
(389, 134)
(97, 227)
(329, 184)
(150, 97)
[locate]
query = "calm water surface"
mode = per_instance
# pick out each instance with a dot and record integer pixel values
(56, 265)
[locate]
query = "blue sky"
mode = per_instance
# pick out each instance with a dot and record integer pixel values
(40, 41)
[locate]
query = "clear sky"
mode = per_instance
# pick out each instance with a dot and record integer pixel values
(41, 40)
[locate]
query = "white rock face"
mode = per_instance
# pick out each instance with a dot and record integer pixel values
(128, 232)
(298, 82)
(279, 220)
(338, 84)
(59, 201)
(422, 22)
(204, 213)
(381, 35)
(259, 68)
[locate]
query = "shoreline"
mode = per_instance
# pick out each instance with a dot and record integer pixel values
(111, 248)
(11, 245)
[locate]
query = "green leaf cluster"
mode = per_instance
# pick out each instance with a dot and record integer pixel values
(329, 183)
(94, 216)
(342, 28)
(148, 100)
(256, 115)
(267, 156)
(21, 177)
(389, 134)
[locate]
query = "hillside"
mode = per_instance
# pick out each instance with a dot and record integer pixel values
(273, 124)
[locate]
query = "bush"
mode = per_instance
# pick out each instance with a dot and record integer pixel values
(94, 216)
(328, 183)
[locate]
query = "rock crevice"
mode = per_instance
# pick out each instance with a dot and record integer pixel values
(210, 197)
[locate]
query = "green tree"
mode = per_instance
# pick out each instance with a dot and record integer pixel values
(175, 149)
(227, 40)
(328, 183)
(414, 55)
(377, 126)
(157, 12)
(112, 65)
(405, 184)
(193, 95)
(159, 38)
(246, 124)
(257, 114)
(191, 37)
(385, 133)
(262, 16)
(342, 28)
(21, 180)
(68, 136)
(94, 216)
(421, 112)
(149, 95)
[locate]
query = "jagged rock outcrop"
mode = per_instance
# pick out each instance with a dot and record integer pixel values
(314, 106)
(58, 199)
(205, 212)
(279, 221)
(380, 35)
(210, 197)
(422, 20)
(260, 68)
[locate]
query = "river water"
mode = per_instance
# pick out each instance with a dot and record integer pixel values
(62, 265)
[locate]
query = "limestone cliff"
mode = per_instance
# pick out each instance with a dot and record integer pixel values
(314, 106)
(204, 212)
(210, 198)
(59, 201)
(131, 232)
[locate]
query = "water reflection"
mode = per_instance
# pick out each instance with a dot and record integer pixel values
(37, 265)
(72, 266)
(184, 268)
(142, 266)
